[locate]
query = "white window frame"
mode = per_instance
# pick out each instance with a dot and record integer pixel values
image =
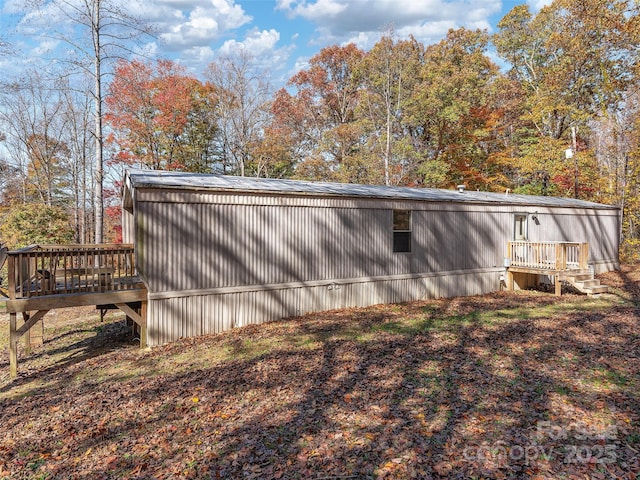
(521, 222)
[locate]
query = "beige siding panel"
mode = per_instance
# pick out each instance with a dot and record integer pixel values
(197, 241)
(173, 318)
(167, 195)
(127, 227)
(200, 246)
(206, 246)
(599, 228)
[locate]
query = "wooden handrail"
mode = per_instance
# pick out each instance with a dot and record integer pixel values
(548, 255)
(63, 269)
(72, 246)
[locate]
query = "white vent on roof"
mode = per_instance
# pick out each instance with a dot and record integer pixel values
(461, 188)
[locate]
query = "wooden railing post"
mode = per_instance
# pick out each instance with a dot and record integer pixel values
(11, 270)
(584, 256)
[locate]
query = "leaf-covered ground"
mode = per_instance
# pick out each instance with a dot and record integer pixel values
(508, 385)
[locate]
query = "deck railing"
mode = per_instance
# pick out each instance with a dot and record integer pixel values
(63, 269)
(548, 255)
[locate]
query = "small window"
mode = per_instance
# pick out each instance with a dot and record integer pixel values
(520, 227)
(402, 231)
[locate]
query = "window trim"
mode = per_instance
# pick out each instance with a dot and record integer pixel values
(404, 232)
(516, 217)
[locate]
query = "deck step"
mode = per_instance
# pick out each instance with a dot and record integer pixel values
(596, 290)
(586, 283)
(579, 277)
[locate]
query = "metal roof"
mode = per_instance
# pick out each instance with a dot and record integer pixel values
(227, 183)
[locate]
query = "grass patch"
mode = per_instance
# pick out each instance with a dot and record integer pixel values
(400, 391)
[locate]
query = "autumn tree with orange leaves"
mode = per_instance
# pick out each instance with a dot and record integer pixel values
(161, 118)
(320, 118)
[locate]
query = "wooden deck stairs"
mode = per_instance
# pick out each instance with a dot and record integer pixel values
(566, 262)
(585, 282)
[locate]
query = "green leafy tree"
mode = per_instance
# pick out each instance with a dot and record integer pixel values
(573, 60)
(453, 112)
(390, 72)
(35, 223)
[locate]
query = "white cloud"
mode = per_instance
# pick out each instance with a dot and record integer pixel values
(45, 47)
(433, 31)
(340, 21)
(34, 21)
(147, 50)
(263, 48)
(196, 58)
(319, 9)
(12, 7)
(196, 23)
(284, 4)
(363, 40)
(256, 43)
(302, 63)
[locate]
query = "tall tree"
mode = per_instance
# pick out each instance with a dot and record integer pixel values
(574, 57)
(79, 139)
(34, 125)
(327, 126)
(243, 109)
(453, 112)
(47, 169)
(390, 72)
(100, 31)
(574, 60)
(161, 117)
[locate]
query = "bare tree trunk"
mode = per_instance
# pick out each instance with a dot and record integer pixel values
(387, 151)
(83, 224)
(99, 174)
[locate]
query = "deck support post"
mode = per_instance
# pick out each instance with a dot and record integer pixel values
(13, 345)
(139, 318)
(27, 335)
(510, 280)
(143, 324)
(15, 333)
(558, 285)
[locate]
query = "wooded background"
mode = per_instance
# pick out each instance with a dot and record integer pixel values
(493, 112)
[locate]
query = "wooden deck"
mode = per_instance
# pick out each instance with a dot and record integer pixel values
(45, 277)
(565, 261)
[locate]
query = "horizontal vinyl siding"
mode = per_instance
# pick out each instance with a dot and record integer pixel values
(173, 318)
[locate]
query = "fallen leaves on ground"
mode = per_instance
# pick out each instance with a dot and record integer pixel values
(507, 385)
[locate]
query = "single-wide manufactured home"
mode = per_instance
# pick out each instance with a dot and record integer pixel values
(217, 252)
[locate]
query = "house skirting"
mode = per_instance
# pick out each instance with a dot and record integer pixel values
(188, 313)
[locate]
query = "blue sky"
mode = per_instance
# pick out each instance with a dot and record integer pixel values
(281, 35)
